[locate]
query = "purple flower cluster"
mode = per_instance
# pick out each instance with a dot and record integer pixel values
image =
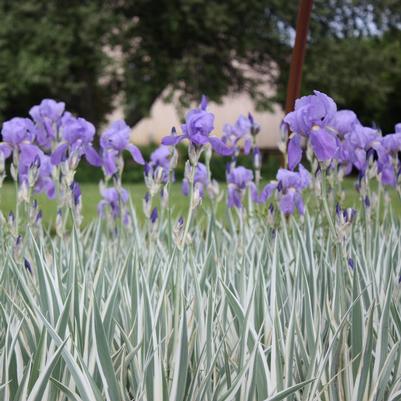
(338, 136)
(288, 188)
(311, 119)
(41, 171)
(77, 137)
(113, 142)
(159, 167)
(114, 200)
(47, 148)
(238, 179)
(199, 123)
(54, 136)
(244, 129)
(47, 117)
(19, 139)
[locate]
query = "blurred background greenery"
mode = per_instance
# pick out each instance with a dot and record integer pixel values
(88, 52)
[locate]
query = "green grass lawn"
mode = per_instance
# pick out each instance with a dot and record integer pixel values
(91, 197)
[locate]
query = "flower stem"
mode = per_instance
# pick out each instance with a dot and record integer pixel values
(190, 210)
(191, 179)
(326, 206)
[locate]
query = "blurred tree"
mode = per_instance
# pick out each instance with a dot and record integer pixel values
(192, 47)
(85, 52)
(354, 55)
(217, 47)
(54, 49)
(363, 74)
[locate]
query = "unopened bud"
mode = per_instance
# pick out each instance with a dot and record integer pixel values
(188, 172)
(23, 192)
(27, 265)
(18, 247)
(159, 174)
(14, 172)
(154, 215)
(59, 223)
(127, 219)
(255, 127)
(178, 231)
(270, 215)
(351, 263)
(257, 160)
(284, 136)
(38, 218)
(213, 189)
(208, 153)
(197, 196)
(193, 155)
(173, 159)
(164, 197)
(147, 204)
(2, 163)
(11, 218)
(73, 161)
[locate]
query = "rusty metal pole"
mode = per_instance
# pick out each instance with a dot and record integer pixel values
(298, 54)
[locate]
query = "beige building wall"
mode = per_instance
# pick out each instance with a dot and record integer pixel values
(164, 116)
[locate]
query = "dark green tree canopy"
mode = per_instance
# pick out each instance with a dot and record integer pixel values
(354, 55)
(54, 49)
(192, 47)
(86, 52)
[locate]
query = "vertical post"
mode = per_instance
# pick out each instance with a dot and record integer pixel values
(298, 54)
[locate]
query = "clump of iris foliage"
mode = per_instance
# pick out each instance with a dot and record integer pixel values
(275, 302)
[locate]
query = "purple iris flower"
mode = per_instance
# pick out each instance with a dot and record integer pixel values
(161, 156)
(199, 123)
(361, 140)
(47, 117)
(311, 119)
(44, 181)
(159, 159)
(241, 130)
(239, 179)
(113, 142)
(201, 180)
(77, 136)
(387, 160)
(310, 111)
(18, 135)
(386, 173)
(344, 122)
(113, 199)
(392, 143)
(289, 187)
(392, 146)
